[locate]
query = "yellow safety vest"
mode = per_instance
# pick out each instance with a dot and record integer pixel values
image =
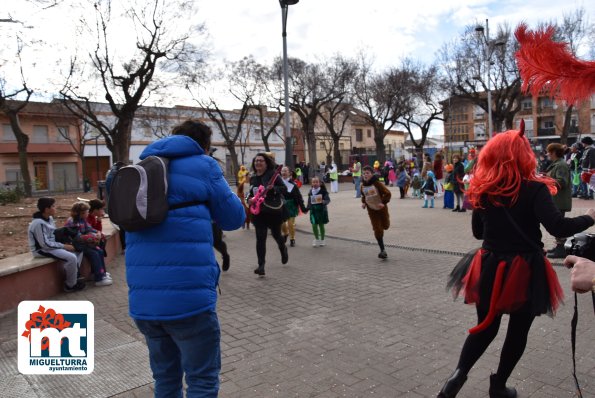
(357, 173)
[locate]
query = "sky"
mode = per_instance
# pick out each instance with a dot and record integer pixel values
(386, 30)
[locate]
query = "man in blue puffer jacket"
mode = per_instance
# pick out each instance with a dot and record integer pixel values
(172, 272)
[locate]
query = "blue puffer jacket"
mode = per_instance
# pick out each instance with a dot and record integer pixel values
(171, 269)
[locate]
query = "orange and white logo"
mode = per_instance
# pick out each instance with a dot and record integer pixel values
(56, 337)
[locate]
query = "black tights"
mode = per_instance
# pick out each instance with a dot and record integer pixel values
(261, 240)
(512, 350)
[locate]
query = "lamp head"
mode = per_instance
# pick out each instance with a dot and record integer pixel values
(479, 30)
(288, 2)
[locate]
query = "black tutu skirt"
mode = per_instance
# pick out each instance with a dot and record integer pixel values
(500, 283)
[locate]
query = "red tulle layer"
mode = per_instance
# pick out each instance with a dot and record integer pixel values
(510, 287)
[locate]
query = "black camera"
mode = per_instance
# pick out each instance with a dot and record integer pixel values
(582, 245)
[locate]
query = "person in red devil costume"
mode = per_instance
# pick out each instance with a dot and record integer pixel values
(509, 274)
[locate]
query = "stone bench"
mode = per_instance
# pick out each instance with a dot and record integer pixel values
(24, 277)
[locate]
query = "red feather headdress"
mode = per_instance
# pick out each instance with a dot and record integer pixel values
(548, 65)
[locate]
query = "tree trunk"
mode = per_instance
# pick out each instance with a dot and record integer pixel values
(121, 139)
(234, 159)
(337, 153)
(566, 127)
(379, 140)
(265, 137)
(22, 143)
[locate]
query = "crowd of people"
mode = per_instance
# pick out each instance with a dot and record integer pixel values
(172, 273)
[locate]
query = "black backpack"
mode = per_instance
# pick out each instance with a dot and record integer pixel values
(138, 195)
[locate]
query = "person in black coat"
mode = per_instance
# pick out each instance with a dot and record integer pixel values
(456, 179)
(509, 274)
(272, 212)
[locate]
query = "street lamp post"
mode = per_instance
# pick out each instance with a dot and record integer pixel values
(288, 140)
(488, 46)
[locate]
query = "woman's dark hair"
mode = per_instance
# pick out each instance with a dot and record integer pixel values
(368, 168)
(269, 161)
(198, 131)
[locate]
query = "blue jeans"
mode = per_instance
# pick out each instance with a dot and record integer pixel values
(191, 346)
(357, 181)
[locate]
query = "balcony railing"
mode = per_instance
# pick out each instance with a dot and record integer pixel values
(546, 131)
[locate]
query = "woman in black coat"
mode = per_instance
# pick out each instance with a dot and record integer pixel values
(272, 212)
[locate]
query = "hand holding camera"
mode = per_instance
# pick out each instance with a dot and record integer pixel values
(582, 276)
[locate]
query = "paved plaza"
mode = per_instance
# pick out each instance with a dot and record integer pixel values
(336, 321)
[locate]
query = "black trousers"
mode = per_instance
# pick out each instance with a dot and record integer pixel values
(261, 240)
(512, 350)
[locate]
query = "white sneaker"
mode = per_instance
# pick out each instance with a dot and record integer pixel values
(321, 242)
(315, 243)
(104, 282)
(108, 275)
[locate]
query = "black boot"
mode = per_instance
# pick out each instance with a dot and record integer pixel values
(456, 208)
(225, 265)
(260, 270)
(558, 252)
(498, 389)
(284, 255)
(453, 385)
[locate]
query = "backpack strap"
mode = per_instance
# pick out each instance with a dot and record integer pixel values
(187, 204)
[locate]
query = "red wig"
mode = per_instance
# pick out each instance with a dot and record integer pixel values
(502, 166)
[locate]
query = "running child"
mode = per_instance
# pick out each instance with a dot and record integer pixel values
(318, 199)
(375, 197)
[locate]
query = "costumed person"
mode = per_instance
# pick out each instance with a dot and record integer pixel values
(576, 153)
(438, 172)
(294, 203)
(456, 179)
(392, 176)
(509, 273)
(401, 181)
(272, 210)
(88, 242)
(427, 166)
(334, 176)
(375, 198)
(416, 184)
(242, 196)
(356, 172)
(242, 177)
(559, 171)
(429, 189)
(318, 200)
(449, 196)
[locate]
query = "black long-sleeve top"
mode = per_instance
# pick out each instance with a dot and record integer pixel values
(533, 207)
(277, 192)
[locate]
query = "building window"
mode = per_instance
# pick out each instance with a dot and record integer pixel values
(359, 135)
(341, 145)
(548, 124)
(147, 132)
(478, 112)
(7, 133)
(323, 145)
(256, 133)
(527, 104)
(63, 134)
(547, 102)
(369, 133)
(13, 175)
(40, 135)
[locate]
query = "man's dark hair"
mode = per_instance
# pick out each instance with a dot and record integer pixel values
(96, 204)
(368, 168)
(45, 203)
(556, 149)
(269, 161)
(198, 131)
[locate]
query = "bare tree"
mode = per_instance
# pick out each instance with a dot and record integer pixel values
(426, 87)
(308, 93)
(11, 108)
(464, 64)
(163, 50)
(384, 98)
(250, 82)
(340, 74)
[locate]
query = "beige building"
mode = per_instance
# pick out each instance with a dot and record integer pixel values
(54, 139)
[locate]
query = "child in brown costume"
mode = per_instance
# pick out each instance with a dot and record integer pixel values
(375, 197)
